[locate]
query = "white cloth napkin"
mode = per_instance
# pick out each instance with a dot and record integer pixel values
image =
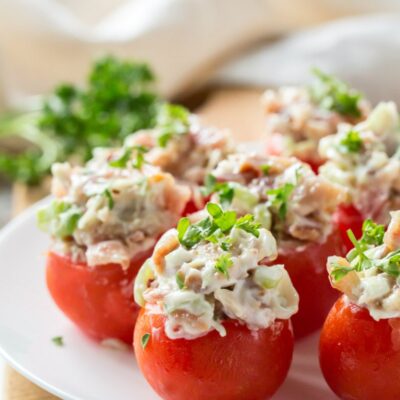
(43, 42)
(364, 51)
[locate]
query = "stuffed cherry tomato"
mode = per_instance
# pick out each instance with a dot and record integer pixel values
(287, 197)
(243, 365)
(97, 299)
(104, 223)
(215, 322)
(359, 356)
(362, 160)
(297, 118)
(360, 340)
(306, 266)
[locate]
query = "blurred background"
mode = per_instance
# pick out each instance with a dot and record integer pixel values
(190, 45)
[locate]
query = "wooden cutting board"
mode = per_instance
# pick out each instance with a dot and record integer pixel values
(235, 108)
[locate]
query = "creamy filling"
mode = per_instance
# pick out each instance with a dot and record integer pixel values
(362, 160)
(188, 156)
(103, 213)
(370, 275)
(294, 114)
(284, 194)
(199, 286)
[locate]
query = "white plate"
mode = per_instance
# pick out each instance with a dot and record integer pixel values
(82, 369)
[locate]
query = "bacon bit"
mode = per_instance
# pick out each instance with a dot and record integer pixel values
(247, 167)
(162, 251)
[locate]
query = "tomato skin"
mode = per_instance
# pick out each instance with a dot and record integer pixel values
(348, 217)
(98, 300)
(275, 146)
(307, 269)
(244, 365)
(360, 357)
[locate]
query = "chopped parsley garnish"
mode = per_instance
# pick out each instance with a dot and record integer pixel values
(279, 198)
(134, 153)
(215, 228)
(247, 224)
(172, 120)
(140, 151)
(145, 340)
(123, 160)
(372, 233)
(110, 199)
(265, 169)
(179, 281)
(225, 190)
(59, 218)
(334, 95)
(340, 271)
(359, 260)
(223, 263)
(58, 341)
(352, 142)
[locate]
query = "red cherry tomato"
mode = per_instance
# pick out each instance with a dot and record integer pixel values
(275, 146)
(360, 357)
(348, 217)
(243, 365)
(306, 266)
(98, 300)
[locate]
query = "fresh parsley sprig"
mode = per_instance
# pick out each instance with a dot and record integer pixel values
(215, 228)
(172, 120)
(134, 153)
(352, 142)
(223, 263)
(359, 260)
(279, 199)
(224, 190)
(117, 100)
(334, 95)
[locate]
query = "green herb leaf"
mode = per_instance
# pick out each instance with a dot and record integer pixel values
(110, 199)
(372, 233)
(140, 151)
(265, 169)
(182, 227)
(117, 100)
(145, 340)
(214, 210)
(179, 281)
(224, 190)
(226, 221)
(223, 263)
(391, 264)
(248, 224)
(338, 272)
(58, 341)
(59, 219)
(352, 142)
(172, 120)
(209, 184)
(122, 161)
(332, 94)
(279, 198)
